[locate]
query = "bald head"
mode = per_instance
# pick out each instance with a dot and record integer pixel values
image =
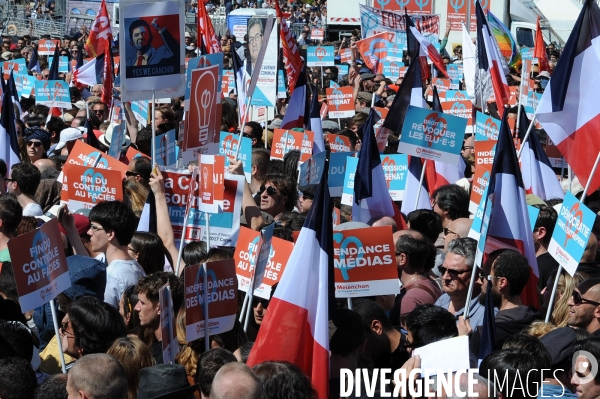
(384, 221)
(44, 164)
(589, 255)
(459, 228)
(413, 233)
(235, 381)
(98, 376)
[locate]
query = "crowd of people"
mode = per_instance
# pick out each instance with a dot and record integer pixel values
(109, 320)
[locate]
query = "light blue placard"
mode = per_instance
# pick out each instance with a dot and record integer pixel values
(486, 127)
(485, 224)
(337, 172)
(53, 93)
(456, 95)
(116, 140)
(228, 147)
(395, 54)
(527, 53)
(140, 111)
(454, 72)
(342, 69)
(24, 84)
(311, 171)
(281, 93)
(165, 148)
(533, 213)
(391, 69)
(395, 167)
(319, 56)
(63, 63)
(195, 63)
(571, 233)
(432, 135)
(348, 190)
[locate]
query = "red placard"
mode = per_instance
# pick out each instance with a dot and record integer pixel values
(317, 34)
(413, 7)
(47, 47)
(457, 13)
(340, 102)
(346, 55)
(484, 158)
(211, 188)
(285, 141)
(84, 187)
(203, 119)
(441, 84)
(462, 109)
(339, 143)
(133, 153)
(86, 155)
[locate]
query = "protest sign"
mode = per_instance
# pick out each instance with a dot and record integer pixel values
(395, 55)
(346, 55)
(52, 93)
(337, 172)
(265, 92)
(24, 84)
(340, 102)
(391, 69)
(395, 167)
(486, 127)
(462, 109)
(365, 262)
(85, 187)
(319, 56)
(211, 188)
(170, 346)
(228, 148)
(312, 170)
(85, 155)
(165, 148)
(432, 135)
(221, 297)
(342, 69)
(441, 84)
(285, 141)
(418, 7)
(202, 62)
(339, 143)
(317, 34)
(203, 119)
(571, 234)
(373, 50)
(484, 159)
(227, 82)
(348, 190)
(455, 71)
(281, 91)
(140, 111)
(151, 45)
(47, 47)
(39, 265)
(133, 153)
(554, 155)
(63, 63)
(533, 213)
(262, 258)
(457, 14)
(456, 95)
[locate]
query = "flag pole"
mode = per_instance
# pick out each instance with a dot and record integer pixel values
(420, 184)
(526, 136)
(350, 303)
(59, 341)
(237, 150)
(153, 129)
(587, 186)
(523, 64)
(205, 307)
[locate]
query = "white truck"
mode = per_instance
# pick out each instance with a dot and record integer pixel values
(520, 15)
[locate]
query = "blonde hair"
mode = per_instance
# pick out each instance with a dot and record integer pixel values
(136, 193)
(564, 291)
(186, 357)
(134, 355)
(539, 328)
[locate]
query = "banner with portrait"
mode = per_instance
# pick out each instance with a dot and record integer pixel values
(151, 43)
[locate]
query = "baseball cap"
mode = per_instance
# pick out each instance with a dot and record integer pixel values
(69, 134)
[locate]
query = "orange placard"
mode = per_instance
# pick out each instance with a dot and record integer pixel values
(133, 153)
(441, 84)
(339, 143)
(462, 109)
(317, 34)
(346, 55)
(382, 112)
(484, 159)
(86, 155)
(40, 266)
(285, 141)
(47, 47)
(84, 187)
(221, 293)
(245, 258)
(365, 262)
(340, 101)
(211, 190)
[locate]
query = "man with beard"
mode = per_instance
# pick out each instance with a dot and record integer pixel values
(584, 307)
(141, 39)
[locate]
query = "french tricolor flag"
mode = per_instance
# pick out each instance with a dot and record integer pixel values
(314, 123)
(9, 146)
(538, 177)
(297, 109)
(371, 196)
(489, 77)
(509, 225)
(426, 49)
(413, 180)
(241, 79)
(569, 109)
(90, 73)
(296, 329)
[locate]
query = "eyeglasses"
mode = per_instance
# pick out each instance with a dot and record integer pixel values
(95, 228)
(467, 147)
(99, 111)
(578, 299)
(131, 174)
(307, 197)
(9, 180)
(448, 231)
(132, 250)
(45, 76)
(36, 144)
(270, 190)
(452, 272)
(433, 202)
(63, 329)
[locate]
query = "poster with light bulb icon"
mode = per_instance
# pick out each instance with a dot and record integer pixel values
(204, 117)
(211, 190)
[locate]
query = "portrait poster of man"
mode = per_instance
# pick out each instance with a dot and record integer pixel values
(151, 49)
(255, 32)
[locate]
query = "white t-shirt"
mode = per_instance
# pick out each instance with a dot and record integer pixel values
(33, 209)
(121, 274)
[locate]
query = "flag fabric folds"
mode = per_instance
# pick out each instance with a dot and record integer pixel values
(414, 186)
(296, 328)
(9, 146)
(291, 54)
(371, 195)
(148, 217)
(569, 109)
(505, 40)
(539, 50)
(206, 32)
(374, 50)
(426, 49)
(509, 225)
(241, 78)
(489, 77)
(90, 73)
(469, 63)
(100, 37)
(538, 177)
(53, 70)
(108, 78)
(297, 109)
(34, 64)
(314, 123)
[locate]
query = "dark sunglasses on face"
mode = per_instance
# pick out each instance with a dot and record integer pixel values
(263, 302)
(270, 190)
(451, 272)
(36, 144)
(131, 174)
(578, 299)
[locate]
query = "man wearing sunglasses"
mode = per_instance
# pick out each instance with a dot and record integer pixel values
(584, 306)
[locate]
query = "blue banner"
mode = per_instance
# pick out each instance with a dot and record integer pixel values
(486, 127)
(337, 172)
(319, 56)
(165, 149)
(348, 190)
(53, 93)
(312, 170)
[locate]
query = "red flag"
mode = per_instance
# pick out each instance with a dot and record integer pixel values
(291, 54)
(100, 37)
(426, 49)
(206, 32)
(539, 50)
(374, 50)
(108, 77)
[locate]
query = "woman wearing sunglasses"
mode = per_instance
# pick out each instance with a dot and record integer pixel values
(277, 194)
(38, 143)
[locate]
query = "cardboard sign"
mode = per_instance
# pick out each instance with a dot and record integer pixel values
(47, 47)
(348, 190)
(281, 91)
(484, 159)
(571, 234)
(228, 82)
(337, 172)
(170, 346)
(395, 54)
(391, 69)
(52, 93)
(285, 141)
(441, 84)
(462, 109)
(365, 262)
(346, 56)
(86, 155)
(317, 34)
(455, 71)
(395, 167)
(319, 56)
(211, 188)
(340, 101)
(85, 187)
(312, 170)
(222, 301)
(457, 14)
(24, 84)
(165, 148)
(228, 147)
(63, 63)
(132, 153)
(457, 95)
(203, 119)
(40, 266)
(339, 143)
(486, 127)
(432, 135)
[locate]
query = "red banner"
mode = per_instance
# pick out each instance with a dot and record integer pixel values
(100, 37)
(457, 13)
(291, 54)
